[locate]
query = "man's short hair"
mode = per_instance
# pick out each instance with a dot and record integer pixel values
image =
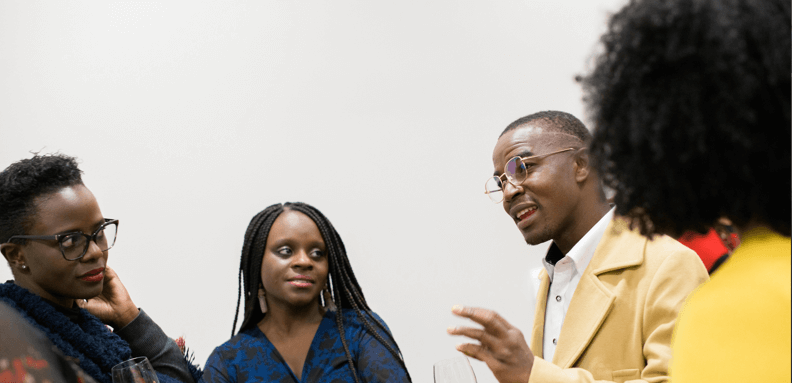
(23, 181)
(554, 121)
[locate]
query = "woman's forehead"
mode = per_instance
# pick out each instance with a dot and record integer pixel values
(292, 223)
(66, 209)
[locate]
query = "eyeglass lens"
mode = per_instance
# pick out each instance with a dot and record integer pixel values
(515, 170)
(494, 189)
(75, 245)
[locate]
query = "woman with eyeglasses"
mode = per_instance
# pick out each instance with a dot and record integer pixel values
(306, 319)
(56, 242)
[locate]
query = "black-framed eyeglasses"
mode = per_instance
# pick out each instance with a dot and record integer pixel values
(515, 172)
(73, 246)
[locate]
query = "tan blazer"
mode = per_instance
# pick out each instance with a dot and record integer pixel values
(619, 323)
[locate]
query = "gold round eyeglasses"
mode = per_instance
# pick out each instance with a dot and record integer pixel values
(515, 171)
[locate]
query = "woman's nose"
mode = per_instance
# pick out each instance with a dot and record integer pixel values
(302, 259)
(93, 252)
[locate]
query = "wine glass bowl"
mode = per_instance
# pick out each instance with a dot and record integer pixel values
(454, 370)
(135, 370)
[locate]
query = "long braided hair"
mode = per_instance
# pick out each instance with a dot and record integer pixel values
(344, 288)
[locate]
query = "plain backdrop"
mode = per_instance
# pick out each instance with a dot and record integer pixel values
(190, 117)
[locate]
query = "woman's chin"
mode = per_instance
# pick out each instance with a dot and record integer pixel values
(87, 293)
(303, 304)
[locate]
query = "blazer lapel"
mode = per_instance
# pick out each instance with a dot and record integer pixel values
(590, 305)
(592, 301)
(537, 334)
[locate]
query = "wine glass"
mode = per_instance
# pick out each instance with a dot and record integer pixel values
(454, 370)
(135, 370)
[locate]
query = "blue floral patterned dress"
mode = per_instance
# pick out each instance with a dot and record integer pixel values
(251, 357)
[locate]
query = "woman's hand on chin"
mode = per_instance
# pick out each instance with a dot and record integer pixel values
(113, 306)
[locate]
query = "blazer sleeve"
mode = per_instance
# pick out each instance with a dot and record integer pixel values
(679, 274)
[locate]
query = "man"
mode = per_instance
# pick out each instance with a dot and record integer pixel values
(608, 297)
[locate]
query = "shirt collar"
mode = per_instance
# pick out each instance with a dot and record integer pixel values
(583, 251)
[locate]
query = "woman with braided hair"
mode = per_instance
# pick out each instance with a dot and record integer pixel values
(305, 318)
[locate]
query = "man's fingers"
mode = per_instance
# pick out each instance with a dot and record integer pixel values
(491, 321)
(475, 351)
(470, 332)
(474, 333)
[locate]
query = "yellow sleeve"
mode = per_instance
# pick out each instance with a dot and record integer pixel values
(736, 328)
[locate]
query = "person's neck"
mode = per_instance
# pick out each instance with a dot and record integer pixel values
(587, 217)
(286, 320)
(60, 301)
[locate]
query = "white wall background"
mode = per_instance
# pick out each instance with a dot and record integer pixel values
(190, 117)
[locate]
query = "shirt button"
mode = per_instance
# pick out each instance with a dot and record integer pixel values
(555, 341)
(558, 298)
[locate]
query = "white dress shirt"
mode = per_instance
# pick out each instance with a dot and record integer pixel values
(564, 278)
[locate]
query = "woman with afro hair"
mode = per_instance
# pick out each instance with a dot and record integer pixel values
(691, 105)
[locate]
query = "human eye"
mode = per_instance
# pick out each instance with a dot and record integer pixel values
(316, 253)
(71, 240)
(529, 166)
(531, 162)
(284, 251)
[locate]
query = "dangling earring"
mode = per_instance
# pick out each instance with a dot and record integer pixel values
(328, 293)
(262, 301)
(327, 299)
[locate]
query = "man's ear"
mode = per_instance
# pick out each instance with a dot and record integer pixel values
(582, 165)
(13, 253)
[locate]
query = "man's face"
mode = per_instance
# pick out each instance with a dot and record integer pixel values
(542, 205)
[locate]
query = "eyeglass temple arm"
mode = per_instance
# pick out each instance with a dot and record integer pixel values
(539, 156)
(55, 236)
(33, 237)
